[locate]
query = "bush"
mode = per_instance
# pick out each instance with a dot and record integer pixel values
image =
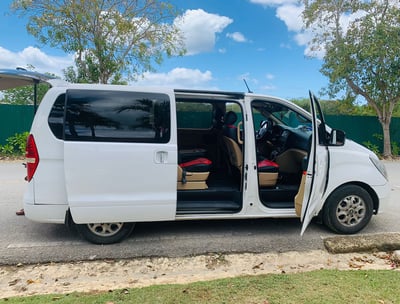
(15, 145)
(374, 148)
(395, 148)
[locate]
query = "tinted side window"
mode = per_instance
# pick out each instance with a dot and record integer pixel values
(56, 117)
(117, 116)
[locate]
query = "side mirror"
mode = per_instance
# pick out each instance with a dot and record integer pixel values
(337, 138)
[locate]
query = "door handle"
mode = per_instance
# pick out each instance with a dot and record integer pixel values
(161, 157)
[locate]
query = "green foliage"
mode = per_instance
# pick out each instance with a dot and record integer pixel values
(15, 145)
(74, 75)
(345, 106)
(6, 150)
(395, 148)
(110, 38)
(373, 147)
(24, 95)
(378, 136)
(361, 55)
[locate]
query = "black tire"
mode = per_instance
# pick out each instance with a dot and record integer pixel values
(348, 209)
(105, 233)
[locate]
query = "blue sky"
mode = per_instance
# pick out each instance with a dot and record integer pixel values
(259, 40)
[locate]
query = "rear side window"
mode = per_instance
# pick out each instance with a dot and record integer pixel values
(56, 117)
(117, 116)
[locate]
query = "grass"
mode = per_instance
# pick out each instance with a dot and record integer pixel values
(322, 286)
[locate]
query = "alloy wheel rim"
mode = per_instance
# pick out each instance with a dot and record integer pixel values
(351, 210)
(105, 229)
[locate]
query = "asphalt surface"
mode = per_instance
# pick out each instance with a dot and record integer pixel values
(24, 241)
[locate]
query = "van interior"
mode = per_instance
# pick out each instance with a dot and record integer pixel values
(211, 140)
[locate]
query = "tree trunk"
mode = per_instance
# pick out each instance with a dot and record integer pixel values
(387, 149)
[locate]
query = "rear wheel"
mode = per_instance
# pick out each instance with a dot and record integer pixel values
(348, 209)
(105, 233)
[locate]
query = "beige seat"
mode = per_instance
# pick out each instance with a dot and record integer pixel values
(234, 153)
(265, 179)
(190, 178)
(290, 161)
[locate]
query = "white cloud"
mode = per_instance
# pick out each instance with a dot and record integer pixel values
(200, 29)
(270, 76)
(237, 36)
(42, 62)
(290, 12)
(247, 76)
(346, 19)
(262, 85)
(268, 87)
(273, 2)
(177, 78)
(291, 15)
(285, 46)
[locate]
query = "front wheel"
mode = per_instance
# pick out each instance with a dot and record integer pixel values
(348, 209)
(105, 233)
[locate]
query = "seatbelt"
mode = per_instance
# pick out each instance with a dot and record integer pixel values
(183, 176)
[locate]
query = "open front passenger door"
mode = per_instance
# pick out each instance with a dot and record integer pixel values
(318, 167)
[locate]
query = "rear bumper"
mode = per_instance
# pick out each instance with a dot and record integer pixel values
(46, 213)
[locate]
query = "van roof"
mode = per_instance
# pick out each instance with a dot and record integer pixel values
(227, 94)
(19, 77)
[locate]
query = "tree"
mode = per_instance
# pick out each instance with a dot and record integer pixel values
(361, 40)
(110, 38)
(24, 95)
(337, 107)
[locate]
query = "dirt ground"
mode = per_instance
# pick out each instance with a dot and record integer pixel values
(24, 280)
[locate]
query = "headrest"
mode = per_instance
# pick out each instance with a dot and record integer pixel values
(230, 118)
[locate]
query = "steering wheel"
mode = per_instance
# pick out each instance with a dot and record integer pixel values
(265, 128)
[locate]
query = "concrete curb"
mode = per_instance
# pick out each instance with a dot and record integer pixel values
(363, 243)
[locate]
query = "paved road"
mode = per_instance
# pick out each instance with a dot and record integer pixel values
(23, 241)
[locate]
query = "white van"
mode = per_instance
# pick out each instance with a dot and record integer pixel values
(105, 157)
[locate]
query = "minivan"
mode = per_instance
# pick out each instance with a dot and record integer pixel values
(104, 157)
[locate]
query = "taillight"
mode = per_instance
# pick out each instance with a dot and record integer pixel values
(32, 157)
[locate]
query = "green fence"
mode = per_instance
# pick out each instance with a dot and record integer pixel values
(14, 119)
(365, 128)
(18, 119)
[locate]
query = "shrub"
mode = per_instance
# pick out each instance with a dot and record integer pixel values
(395, 149)
(15, 145)
(374, 148)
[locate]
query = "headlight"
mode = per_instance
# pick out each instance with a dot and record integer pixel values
(380, 166)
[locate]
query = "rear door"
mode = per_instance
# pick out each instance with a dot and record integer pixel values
(10, 79)
(120, 155)
(317, 169)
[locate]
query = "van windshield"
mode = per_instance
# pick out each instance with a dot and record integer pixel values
(279, 114)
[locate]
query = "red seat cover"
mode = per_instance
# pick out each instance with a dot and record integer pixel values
(266, 165)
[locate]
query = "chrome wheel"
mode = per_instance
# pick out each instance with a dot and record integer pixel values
(348, 209)
(351, 210)
(105, 233)
(105, 229)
